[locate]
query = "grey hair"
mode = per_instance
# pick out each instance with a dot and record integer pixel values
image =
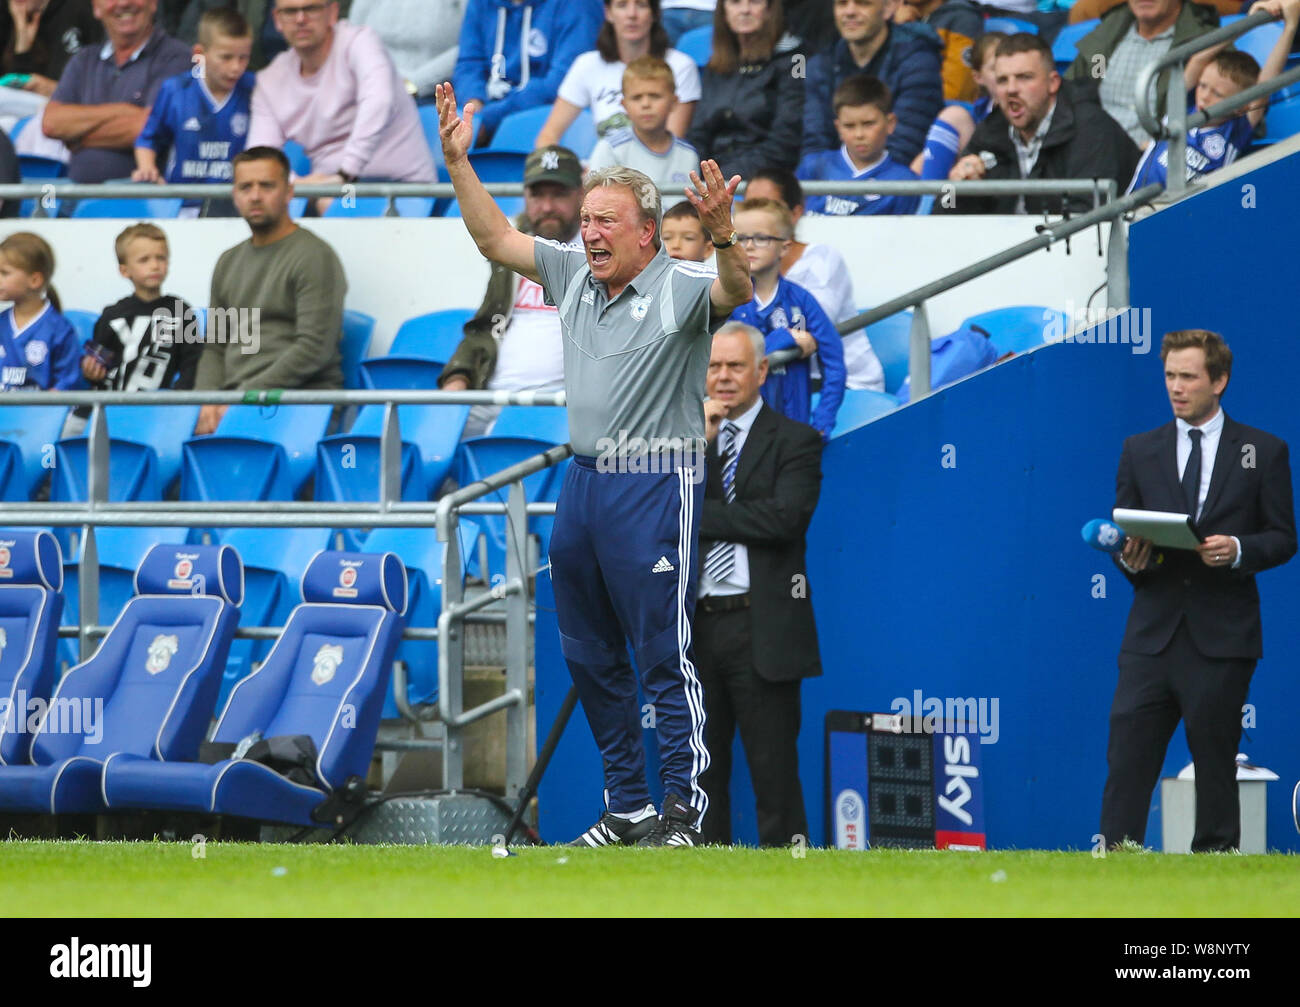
(639, 184)
(756, 339)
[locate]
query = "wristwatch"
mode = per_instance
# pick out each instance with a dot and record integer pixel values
(735, 236)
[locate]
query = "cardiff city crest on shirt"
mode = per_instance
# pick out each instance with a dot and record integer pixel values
(640, 305)
(1214, 145)
(779, 321)
(36, 351)
(239, 124)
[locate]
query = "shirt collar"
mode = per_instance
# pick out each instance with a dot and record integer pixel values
(106, 50)
(1209, 427)
(859, 172)
(1167, 33)
(746, 419)
(1039, 133)
(643, 280)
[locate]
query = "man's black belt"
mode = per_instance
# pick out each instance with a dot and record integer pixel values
(715, 603)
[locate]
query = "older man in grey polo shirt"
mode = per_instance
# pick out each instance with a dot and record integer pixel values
(623, 550)
(104, 95)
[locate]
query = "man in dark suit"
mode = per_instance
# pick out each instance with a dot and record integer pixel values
(754, 633)
(1193, 633)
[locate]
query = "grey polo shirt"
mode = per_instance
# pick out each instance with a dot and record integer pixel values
(92, 77)
(634, 367)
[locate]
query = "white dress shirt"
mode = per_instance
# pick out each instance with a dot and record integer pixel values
(737, 581)
(1210, 430)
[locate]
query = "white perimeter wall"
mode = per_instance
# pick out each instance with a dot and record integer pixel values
(398, 268)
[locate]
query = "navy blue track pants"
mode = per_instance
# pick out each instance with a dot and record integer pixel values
(623, 562)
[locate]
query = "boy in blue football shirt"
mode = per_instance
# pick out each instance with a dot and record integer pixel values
(200, 120)
(1215, 75)
(863, 119)
(788, 316)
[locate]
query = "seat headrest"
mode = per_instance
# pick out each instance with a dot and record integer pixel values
(356, 578)
(31, 557)
(216, 570)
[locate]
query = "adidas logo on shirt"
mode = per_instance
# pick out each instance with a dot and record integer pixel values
(663, 566)
(192, 124)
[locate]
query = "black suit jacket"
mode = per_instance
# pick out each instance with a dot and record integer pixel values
(1249, 497)
(778, 479)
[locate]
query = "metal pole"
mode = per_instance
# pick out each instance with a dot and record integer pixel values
(919, 353)
(543, 760)
(516, 640)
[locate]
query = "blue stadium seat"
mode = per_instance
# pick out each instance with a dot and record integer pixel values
(30, 606)
(83, 322)
(418, 352)
(1282, 120)
(1019, 328)
(277, 558)
(127, 209)
(257, 453)
(299, 162)
(519, 432)
(859, 407)
(890, 338)
(377, 206)
(120, 552)
(496, 165)
(34, 168)
(33, 431)
(358, 327)
(697, 44)
(581, 137)
(13, 478)
(148, 690)
(518, 130)
(1259, 42)
(422, 555)
(347, 465)
(325, 680)
(1010, 25)
(1066, 46)
(144, 453)
(511, 206)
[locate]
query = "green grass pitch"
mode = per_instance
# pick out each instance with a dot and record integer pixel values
(89, 879)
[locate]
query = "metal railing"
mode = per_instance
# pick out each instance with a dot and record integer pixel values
(46, 192)
(435, 729)
(1178, 121)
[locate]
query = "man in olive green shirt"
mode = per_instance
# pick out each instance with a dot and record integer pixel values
(276, 312)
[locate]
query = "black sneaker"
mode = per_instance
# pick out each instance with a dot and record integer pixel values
(612, 830)
(675, 827)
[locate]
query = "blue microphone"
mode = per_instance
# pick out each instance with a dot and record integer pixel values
(1104, 535)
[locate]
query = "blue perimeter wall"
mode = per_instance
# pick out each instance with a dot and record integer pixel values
(973, 580)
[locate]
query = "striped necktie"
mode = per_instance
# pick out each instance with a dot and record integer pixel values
(721, 560)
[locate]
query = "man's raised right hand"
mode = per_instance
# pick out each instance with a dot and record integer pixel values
(456, 132)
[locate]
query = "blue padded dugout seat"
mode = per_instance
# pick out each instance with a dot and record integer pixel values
(31, 575)
(257, 453)
(325, 680)
(147, 692)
